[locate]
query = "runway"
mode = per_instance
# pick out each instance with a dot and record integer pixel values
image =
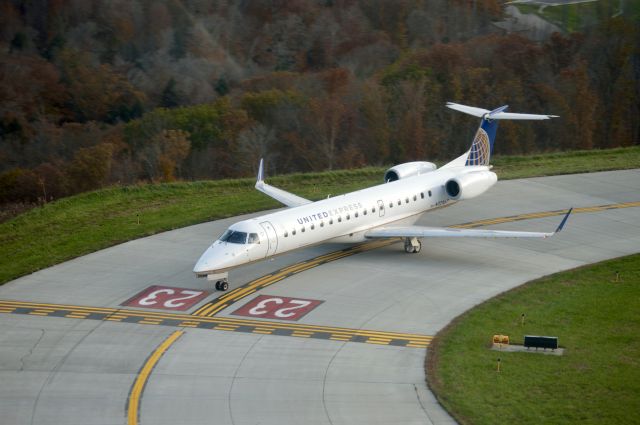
(328, 335)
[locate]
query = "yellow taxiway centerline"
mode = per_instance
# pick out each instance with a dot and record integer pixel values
(133, 404)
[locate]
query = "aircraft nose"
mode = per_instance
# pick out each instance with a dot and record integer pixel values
(206, 261)
(217, 257)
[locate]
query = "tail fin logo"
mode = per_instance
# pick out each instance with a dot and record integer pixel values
(480, 149)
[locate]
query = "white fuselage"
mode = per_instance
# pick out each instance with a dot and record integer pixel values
(344, 218)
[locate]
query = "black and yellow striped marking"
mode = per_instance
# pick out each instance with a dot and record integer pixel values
(217, 323)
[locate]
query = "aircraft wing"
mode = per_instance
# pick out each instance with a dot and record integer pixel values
(448, 232)
(287, 198)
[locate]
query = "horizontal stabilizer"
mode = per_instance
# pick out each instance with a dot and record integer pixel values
(287, 198)
(496, 114)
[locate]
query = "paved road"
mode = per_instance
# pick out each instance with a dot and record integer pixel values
(80, 371)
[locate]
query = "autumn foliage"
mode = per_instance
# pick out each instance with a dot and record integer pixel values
(95, 92)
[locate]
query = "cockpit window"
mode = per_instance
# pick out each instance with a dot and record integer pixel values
(253, 238)
(233, 236)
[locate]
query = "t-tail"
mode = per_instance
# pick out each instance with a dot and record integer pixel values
(482, 145)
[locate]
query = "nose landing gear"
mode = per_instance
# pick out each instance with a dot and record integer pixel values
(222, 285)
(221, 279)
(412, 245)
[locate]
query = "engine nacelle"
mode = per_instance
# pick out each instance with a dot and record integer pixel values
(408, 169)
(470, 185)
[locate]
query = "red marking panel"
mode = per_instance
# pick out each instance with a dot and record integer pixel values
(166, 297)
(281, 308)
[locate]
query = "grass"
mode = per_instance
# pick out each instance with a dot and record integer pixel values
(597, 381)
(91, 221)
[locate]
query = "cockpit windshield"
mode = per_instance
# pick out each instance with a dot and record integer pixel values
(234, 236)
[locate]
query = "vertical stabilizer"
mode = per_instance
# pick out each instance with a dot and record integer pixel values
(482, 145)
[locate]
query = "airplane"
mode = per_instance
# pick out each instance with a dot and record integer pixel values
(388, 210)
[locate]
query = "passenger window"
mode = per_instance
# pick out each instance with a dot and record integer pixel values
(293, 232)
(348, 216)
(406, 201)
(429, 194)
(364, 212)
(373, 209)
(302, 230)
(356, 214)
(286, 234)
(399, 202)
(422, 195)
(415, 198)
(390, 204)
(253, 238)
(340, 219)
(322, 224)
(331, 221)
(313, 226)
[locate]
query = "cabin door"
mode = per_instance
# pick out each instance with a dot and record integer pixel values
(381, 208)
(271, 237)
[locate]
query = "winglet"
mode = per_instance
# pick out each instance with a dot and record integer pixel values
(260, 178)
(564, 220)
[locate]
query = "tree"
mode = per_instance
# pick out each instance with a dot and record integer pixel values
(170, 98)
(173, 146)
(90, 167)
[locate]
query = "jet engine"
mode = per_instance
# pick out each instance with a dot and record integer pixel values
(408, 169)
(470, 185)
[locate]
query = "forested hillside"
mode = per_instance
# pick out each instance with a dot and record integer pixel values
(99, 92)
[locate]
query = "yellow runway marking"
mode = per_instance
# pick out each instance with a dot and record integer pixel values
(225, 328)
(133, 405)
(378, 342)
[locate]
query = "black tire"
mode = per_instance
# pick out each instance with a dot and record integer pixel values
(408, 248)
(224, 286)
(218, 286)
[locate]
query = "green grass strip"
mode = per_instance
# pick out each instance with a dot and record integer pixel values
(81, 224)
(597, 381)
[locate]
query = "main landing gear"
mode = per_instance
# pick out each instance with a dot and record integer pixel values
(221, 279)
(412, 245)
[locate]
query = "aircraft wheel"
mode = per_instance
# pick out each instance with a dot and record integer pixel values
(416, 249)
(408, 248)
(224, 285)
(217, 285)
